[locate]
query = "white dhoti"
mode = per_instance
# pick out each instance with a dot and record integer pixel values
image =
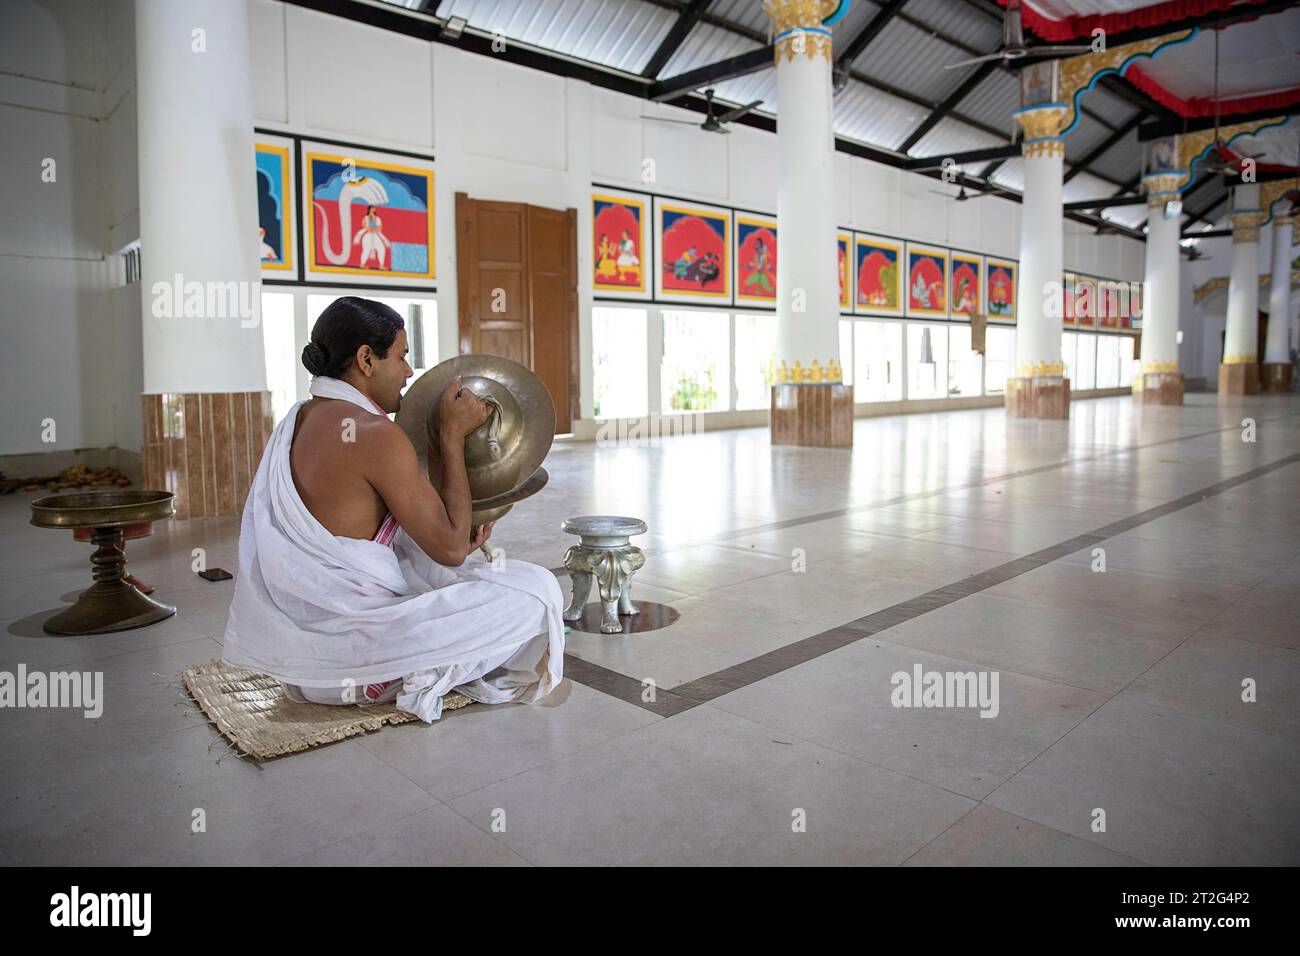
(318, 610)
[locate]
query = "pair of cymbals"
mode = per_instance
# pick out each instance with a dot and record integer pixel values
(504, 455)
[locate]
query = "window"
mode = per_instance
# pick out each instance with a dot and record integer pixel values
(696, 369)
(846, 350)
(619, 362)
(1108, 361)
(281, 348)
(1126, 361)
(420, 313)
(927, 361)
(878, 362)
(1070, 356)
(755, 360)
(1087, 364)
(965, 367)
(999, 359)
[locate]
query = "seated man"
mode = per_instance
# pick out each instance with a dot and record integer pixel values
(356, 579)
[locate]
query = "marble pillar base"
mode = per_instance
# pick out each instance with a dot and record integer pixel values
(1239, 379)
(204, 448)
(817, 416)
(1038, 397)
(1275, 377)
(1158, 388)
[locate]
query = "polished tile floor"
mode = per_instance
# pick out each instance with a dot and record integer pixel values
(759, 728)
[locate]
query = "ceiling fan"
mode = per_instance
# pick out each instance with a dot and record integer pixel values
(1013, 42)
(712, 123)
(1221, 159)
(962, 194)
(1193, 253)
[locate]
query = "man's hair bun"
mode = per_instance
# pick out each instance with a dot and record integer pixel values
(314, 358)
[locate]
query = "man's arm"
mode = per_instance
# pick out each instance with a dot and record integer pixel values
(438, 524)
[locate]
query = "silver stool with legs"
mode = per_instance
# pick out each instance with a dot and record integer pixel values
(605, 552)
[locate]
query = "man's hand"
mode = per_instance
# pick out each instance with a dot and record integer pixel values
(479, 535)
(460, 411)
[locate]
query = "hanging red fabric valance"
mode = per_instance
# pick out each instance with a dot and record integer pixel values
(1204, 106)
(1150, 16)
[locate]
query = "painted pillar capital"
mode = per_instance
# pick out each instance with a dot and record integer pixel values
(799, 28)
(1245, 225)
(1042, 125)
(1162, 186)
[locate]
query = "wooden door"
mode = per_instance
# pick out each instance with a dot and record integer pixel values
(518, 291)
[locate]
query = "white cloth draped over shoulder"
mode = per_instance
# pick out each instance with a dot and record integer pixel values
(319, 610)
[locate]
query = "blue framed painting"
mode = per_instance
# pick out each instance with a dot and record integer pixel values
(277, 225)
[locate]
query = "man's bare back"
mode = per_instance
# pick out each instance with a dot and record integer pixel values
(351, 467)
(333, 442)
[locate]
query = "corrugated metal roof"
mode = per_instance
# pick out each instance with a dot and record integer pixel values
(949, 136)
(1122, 161)
(746, 13)
(906, 57)
(993, 101)
(1131, 216)
(1086, 186)
(871, 116)
(980, 30)
(1084, 138)
(706, 44)
(622, 34)
(746, 89)
(1011, 174)
(910, 54)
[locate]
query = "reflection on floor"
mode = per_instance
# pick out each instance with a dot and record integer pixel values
(1119, 691)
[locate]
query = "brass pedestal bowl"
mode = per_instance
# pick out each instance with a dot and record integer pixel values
(110, 604)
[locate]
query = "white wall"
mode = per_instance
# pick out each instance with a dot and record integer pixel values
(71, 338)
(497, 131)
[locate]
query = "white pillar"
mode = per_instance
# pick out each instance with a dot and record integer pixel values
(1277, 350)
(807, 277)
(1038, 318)
(198, 205)
(1160, 293)
(1241, 338)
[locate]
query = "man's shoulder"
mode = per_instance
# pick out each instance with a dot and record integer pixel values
(360, 425)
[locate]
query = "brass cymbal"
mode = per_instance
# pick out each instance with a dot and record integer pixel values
(490, 509)
(505, 452)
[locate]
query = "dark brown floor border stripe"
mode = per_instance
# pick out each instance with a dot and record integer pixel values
(919, 495)
(712, 686)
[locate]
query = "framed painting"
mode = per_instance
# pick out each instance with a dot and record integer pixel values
(964, 285)
(1085, 302)
(876, 265)
(1067, 300)
(693, 252)
(1000, 289)
(619, 262)
(844, 269)
(926, 291)
(369, 217)
(755, 259)
(277, 226)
